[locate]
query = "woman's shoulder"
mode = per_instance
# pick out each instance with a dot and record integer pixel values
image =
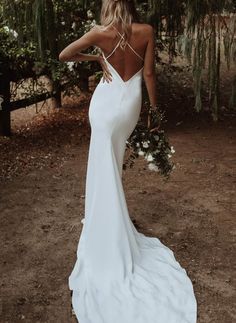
(142, 30)
(134, 24)
(138, 29)
(143, 26)
(98, 28)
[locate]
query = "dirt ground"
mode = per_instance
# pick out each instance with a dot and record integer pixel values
(43, 169)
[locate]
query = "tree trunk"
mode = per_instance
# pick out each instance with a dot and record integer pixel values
(5, 114)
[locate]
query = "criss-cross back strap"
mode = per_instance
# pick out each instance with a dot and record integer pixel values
(117, 45)
(122, 36)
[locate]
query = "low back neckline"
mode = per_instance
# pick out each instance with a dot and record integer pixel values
(119, 76)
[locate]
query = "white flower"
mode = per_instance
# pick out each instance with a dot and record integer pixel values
(70, 65)
(156, 137)
(93, 23)
(10, 31)
(89, 14)
(150, 157)
(172, 150)
(15, 34)
(63, 23)
(145, 144)
(154, 167)
(140, 152)
(137, 144)
(169, 155)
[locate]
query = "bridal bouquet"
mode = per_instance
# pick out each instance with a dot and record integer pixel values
(149, 141)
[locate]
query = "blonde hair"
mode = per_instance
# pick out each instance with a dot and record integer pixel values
(121, 12)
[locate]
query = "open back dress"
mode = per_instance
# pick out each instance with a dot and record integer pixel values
(121, 275)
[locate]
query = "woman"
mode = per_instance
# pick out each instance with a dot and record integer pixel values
(120, 274)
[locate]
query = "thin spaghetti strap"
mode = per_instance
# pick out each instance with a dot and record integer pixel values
(118, 31)
(135, 51)
(117, 45)
(129, 45)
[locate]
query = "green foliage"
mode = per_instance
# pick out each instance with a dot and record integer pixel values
(194, 28)
(42, 29)
(209, 26)
(19, 58)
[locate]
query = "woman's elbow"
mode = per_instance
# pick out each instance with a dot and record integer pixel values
(62, 57)
(149, 74)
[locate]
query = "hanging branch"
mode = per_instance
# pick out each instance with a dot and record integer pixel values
(199, 63)
(215, 106)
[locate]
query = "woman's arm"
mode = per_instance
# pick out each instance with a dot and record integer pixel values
(79, 57)
(72, 53)
(149, 73)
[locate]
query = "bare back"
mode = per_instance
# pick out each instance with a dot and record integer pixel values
(140, 54)
(129, 61)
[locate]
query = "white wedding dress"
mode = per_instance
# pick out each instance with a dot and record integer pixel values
(121, 275)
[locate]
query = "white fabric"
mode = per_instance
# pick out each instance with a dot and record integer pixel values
(121, 275)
